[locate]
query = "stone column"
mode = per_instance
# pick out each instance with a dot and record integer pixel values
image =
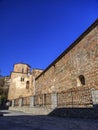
(20, 102)
(32, 101)
(53, 100)
(13, 103)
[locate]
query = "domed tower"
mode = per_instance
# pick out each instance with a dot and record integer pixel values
(21, 81)
(22, 68)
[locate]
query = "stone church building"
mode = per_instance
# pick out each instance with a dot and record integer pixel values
(71, 80)
(22, 81)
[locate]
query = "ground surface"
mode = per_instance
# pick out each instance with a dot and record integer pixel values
(20, 121)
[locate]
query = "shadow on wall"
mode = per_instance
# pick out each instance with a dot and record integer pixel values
(76, 112)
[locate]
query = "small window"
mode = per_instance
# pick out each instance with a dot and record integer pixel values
(82, 79)
(22, 79)
(27, 85)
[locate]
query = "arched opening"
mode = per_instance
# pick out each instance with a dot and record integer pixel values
(27, 84)
(82, 79)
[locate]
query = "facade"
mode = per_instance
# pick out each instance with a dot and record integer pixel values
(20, 81)
(21, 84)
(70, 81)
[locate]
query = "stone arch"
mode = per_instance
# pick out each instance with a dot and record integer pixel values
(80, 80)
(27, 84)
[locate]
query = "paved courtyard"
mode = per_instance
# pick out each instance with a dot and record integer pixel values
(20, 121)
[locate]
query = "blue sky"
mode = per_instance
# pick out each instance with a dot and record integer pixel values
(38, 31)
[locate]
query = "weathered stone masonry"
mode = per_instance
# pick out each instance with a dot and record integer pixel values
(64, 73)
(72, 79)
(81, 59)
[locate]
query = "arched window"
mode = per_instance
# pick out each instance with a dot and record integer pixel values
(27, 84)
(82, 79)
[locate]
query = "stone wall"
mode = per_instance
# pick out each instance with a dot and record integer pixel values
(36, 72)
(64, 72)
(77, 98)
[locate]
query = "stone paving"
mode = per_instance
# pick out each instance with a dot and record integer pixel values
(12, 120)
